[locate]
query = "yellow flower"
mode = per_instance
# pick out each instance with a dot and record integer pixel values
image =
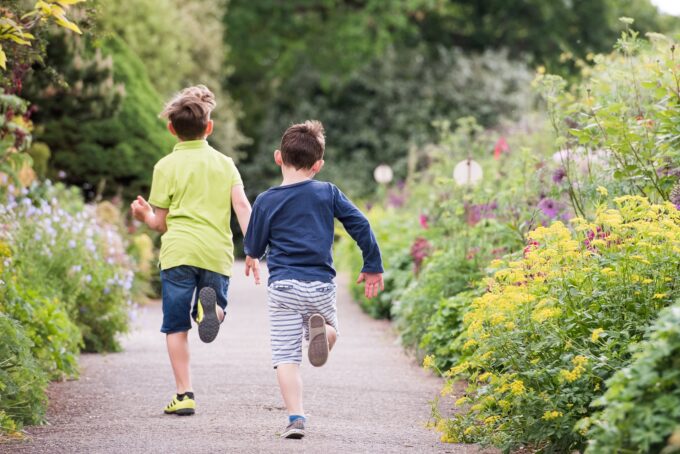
(660, 296)
(550, 415)
(540, 69)
(596, 334)
(491, 420)
(602, 191)
(462, 401)
(517, 388)
(428, 362)
(470, 343)
(579, 362)
(5, 250)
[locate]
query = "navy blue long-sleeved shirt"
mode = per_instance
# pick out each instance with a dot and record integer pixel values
(296, 222)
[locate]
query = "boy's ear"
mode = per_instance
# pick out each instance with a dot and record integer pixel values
(172, 129)
(209, 128)
(318, 165)
(278, 159)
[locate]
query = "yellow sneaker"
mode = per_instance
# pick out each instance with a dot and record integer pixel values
(184, 407)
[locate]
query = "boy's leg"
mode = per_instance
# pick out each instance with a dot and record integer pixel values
(178, 288)
(211, 305)
(290, 383)
(320, 321)
(286, 342)
(178, 350)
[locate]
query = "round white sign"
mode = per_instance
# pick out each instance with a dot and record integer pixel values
(383, 174)
(467, 172)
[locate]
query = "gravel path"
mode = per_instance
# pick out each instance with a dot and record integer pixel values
(370, 397)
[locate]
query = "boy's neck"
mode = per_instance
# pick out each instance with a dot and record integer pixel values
(292, 175)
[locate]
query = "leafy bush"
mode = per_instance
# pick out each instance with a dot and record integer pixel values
(22, 381)
(80, 261)
(103, 131)
(393, 233)
(622, 118)
(66, 285)
(556, 323)
(642, 402)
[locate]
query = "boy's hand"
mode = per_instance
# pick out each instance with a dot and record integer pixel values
(141, 208)
(254, 265)
(374, 283)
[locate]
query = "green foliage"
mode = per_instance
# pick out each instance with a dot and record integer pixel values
(623, 118)
(40, 155)
(385, 109)
(112, 147)
(15, 135)
(555, 324)
(642, 402)
(66, 285)
(395, 234)
(181, 44)
(22, 382)
(378, 73)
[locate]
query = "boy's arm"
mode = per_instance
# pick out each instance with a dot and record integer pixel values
(243, 210)
(257, 234)
(359, 229)
(154, 218)
(241, 206)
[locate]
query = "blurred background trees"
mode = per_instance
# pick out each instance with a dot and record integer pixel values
(379, 73)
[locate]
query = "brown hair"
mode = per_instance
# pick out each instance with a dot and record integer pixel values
(303, 144)
(189, 111)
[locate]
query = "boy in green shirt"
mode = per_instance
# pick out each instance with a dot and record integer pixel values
(193, 191)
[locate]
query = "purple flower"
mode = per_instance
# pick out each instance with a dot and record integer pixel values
(550, 207)
(559, 175)
(476, 213)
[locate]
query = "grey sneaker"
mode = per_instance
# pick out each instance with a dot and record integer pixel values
(318, 341)
(295, 430)
(209, 324)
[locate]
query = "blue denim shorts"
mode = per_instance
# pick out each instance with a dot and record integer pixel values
(179, 286)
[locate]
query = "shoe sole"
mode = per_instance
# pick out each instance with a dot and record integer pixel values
(210, 325)
(318, 341)
(182, 412)
(293, 434)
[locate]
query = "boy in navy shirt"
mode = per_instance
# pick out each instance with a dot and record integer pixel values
(296, 222)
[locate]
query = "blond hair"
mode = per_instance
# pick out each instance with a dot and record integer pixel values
(303, 144)
(189, 111)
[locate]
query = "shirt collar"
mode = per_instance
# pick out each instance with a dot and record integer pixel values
(190, 145)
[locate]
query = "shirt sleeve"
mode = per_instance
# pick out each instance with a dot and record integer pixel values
(257, 235)
(160, 190)
(359, 229)
(236, 179)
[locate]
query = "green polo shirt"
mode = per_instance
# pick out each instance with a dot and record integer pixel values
(194, 183)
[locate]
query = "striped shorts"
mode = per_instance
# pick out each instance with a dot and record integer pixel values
(291, 303)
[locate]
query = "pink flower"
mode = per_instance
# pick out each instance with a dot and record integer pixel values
(500, 148)
(423, 221)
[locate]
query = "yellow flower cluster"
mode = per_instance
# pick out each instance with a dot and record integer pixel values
(574, 374)
(428, 362)
(618, 249)
(597, 333)
(550, 415)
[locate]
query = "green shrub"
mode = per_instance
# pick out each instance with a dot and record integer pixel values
(642, 402)
(22, 381)
(394, 234)
(556, 324)
(103, 129)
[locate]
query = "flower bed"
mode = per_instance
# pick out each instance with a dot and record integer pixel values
(66, 285)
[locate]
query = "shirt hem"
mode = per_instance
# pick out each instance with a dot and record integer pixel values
(223, 271)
